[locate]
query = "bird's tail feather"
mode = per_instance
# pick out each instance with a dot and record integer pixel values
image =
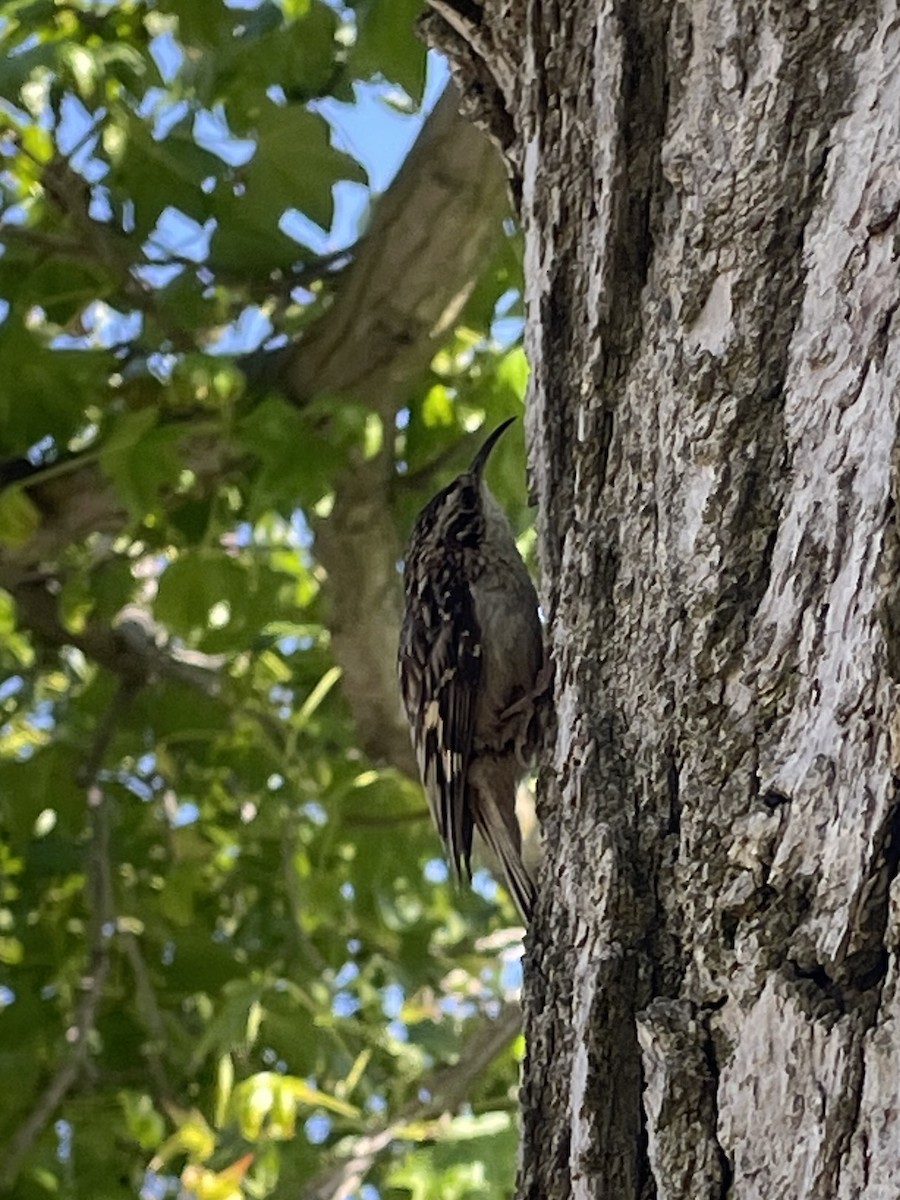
(492, 786)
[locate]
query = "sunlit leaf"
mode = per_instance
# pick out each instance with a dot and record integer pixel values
(192, 1137)
(20, 517)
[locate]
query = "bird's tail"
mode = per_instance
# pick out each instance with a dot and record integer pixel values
(492, 783)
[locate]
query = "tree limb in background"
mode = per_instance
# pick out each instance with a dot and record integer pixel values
(133, 647)
(430, 235)
(149, 1013)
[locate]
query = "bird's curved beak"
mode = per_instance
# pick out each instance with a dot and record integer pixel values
(482, 456)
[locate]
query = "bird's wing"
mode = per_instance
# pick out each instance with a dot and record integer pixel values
(440, 671)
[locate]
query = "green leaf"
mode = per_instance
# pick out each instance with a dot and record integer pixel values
(144, 1123)
(248, 240)
(295, 463)
(46, 780)
(512, 376)
(193, 585)
(187, 304)
(202, 22)
(271, 1100)
(176, 901)
(236, 1024)
(295, 165)
(224, 1086)
(62, 286)
(386, 44)
(473, 1160)
(298, 56)
(151, 174)
(83, 68)
(17, 69)
(192, 1137)
(176, 711)
(141, 458)
(46, 392)
(20, 518)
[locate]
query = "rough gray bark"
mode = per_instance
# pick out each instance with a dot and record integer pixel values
(710, 196)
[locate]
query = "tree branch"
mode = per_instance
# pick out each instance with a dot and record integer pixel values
(430, 235)
(134, 647)
(148, 1011)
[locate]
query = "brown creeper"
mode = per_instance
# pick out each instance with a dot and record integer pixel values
(470, 662)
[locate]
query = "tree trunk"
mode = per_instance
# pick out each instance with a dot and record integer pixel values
(710, 196)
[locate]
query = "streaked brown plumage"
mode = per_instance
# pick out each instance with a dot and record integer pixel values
(470, 663)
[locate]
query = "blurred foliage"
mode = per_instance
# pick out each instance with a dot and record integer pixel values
(227, 947)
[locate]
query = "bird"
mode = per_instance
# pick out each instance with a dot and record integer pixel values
(473, 672)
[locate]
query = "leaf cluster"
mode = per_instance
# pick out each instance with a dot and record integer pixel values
(228, 951)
